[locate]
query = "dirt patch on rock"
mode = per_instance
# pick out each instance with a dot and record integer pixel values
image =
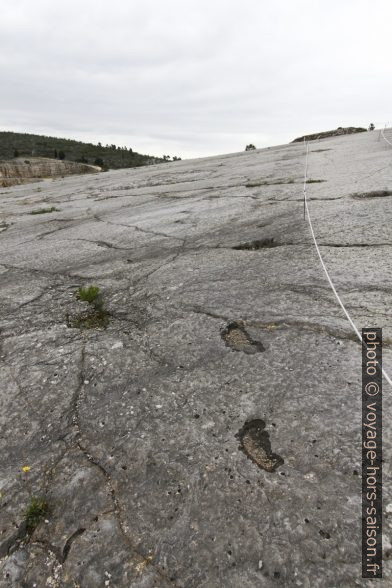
(256, 444)
(236, 336)
(94, 318)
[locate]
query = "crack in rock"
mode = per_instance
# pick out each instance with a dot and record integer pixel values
(342, 245)
(374, 194)
(12, 543)
(78, 443)
(257, 244)
(68, 543)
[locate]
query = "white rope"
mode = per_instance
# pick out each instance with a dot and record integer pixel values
(388, 379)
(384, 137)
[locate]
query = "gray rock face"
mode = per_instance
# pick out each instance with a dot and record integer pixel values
(22, 171)
(134, 433)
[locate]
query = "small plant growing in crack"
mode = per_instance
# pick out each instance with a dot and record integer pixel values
(45, 210)
(37, 510)
(89, 294)
(96, 316)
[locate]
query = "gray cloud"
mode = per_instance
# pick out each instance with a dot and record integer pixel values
(193, 78)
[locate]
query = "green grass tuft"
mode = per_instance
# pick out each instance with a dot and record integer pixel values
(36, 512)
(88, 294)
(45, 210)
(96, 317)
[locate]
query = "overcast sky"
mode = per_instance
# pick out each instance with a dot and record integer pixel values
(193, 77)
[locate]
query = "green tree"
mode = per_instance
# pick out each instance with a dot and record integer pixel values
(16, 153)
(61, 155)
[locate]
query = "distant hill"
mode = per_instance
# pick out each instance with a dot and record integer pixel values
(335, 133)
(108, 157)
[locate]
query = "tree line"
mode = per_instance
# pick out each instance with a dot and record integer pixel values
(14, 145)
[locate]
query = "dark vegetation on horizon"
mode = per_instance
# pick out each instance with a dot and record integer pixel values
(108, 157)
(334, 133)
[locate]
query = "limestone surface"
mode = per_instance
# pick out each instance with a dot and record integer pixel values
(207, 432)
